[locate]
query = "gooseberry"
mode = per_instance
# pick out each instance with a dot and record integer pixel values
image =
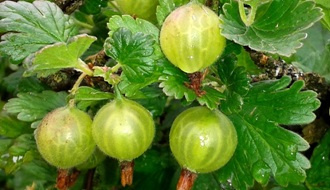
(190, 37)
(202, 140)
(123, 129)
(64, 137)
(145, 9)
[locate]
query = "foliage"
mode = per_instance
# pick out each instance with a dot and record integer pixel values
(32, 26)
(40, 44)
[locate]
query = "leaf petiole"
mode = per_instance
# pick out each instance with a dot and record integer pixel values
(75, 88)
(84, 68)
(248, 20)
(115, 68)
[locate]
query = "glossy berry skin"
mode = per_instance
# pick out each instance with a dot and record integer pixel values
(64, 137)
(123, 129)
(145, 9)
(202, 140)
(190, 37)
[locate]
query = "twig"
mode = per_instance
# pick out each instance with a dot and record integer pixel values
(89, 179)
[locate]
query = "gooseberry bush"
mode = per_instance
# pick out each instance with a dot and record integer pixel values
(164, 94)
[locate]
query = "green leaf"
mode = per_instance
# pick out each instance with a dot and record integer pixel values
(206, 182)
(86, 97)
(254, 2)
(264, 148)
(4, 145)
(11, 127)
(34, 106)
(150, 30)
(153, 99)
(85, 93)
(323, 3)
(278, 26)
(283, 106)
(165, 7)
(326, 19)
(318, 177)
(107, 74)
(132, 88)
(36, 172)
(244, 60)
(173, 83)
(235, 78)
(163, 10)
(134, 52)
(22, 144)
(15, 82)
(62, 55)
(153, 171)
(236, 83)
(317, 47)
(30, 26)
(211, 98)
(93, 6)
(134, 25)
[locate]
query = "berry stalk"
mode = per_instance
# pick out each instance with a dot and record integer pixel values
(127, 168)
(187, 179)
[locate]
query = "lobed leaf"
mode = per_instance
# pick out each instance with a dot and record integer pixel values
(235, 78)
(236, 83)
(284, 106)
(211, 98)
(265, 149)
(30, 26)
(34, 106)
(62, 55)
(134, 52)
(278, 26)
(134, 25)
(173, 83)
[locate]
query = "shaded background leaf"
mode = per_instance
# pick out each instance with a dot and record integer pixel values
(318, 177)
(317, 47)
(278, 26)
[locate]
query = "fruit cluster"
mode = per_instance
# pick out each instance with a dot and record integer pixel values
(201, 140)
